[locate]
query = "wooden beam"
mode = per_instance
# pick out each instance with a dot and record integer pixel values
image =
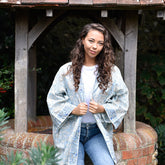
(40, 26)
(21, 71)
(128, 2)
(32, 84)
(115, 31)
(10, 1)
(44, 1)
(150, 2)
(119, 56)
(104, 1)
(130, 57)
(80, 2)
(37, 30)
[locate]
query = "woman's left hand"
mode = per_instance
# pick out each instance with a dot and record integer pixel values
(95, 107)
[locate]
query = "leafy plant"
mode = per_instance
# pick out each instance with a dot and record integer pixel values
(6, 90)
(160, 129)
(44, 155)
(7, 62)
(151, 77)
(6, 78)
(151, 71)
(3, 121)
(13, 159)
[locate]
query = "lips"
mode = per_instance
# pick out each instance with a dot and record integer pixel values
(92, 52)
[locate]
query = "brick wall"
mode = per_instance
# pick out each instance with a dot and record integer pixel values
(131, 149)
(136, 149)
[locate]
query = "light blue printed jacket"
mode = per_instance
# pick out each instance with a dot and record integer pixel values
(62, 99)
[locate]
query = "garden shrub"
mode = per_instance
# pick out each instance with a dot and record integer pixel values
(44, 154)
(3, 122)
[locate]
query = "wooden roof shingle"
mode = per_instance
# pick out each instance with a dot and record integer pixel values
(91, 3)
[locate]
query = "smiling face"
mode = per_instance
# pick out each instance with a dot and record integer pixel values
(93, 44)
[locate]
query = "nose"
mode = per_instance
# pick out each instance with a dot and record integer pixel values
(95, 46)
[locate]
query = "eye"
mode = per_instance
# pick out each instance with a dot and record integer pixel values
(101, 43)
(91, 41)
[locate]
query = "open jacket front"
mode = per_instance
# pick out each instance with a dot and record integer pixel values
(62, 99)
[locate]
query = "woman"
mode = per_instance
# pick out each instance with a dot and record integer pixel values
(87, 99)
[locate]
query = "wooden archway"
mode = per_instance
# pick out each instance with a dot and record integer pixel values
(27, 32)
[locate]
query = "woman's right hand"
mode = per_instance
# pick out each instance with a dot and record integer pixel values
(81, 109)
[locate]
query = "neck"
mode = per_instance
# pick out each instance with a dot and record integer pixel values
(90, 62)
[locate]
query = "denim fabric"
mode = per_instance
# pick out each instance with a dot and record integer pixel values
(93, 143)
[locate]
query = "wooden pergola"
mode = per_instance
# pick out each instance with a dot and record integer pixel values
(30, 25)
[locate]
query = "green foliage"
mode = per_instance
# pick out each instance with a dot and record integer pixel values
(6, 89)
(44, 155)
(150, 90)
(151, 77)
(151, 71)
(13, 159)
(6, 62)
(3, 122)
(6, 77)
(160, 129)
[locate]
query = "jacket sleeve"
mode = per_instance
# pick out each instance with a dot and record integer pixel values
(117, 104)
(58, 101)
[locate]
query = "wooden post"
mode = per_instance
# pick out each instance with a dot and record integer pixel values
(32, 84)
(21, 71)
(130, 56)
(25, 67)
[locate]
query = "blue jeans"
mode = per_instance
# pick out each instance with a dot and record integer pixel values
(93, 143)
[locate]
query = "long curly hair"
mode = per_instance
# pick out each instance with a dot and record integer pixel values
(105, 59)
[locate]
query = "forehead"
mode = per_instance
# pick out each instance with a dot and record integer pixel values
(95, 34)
